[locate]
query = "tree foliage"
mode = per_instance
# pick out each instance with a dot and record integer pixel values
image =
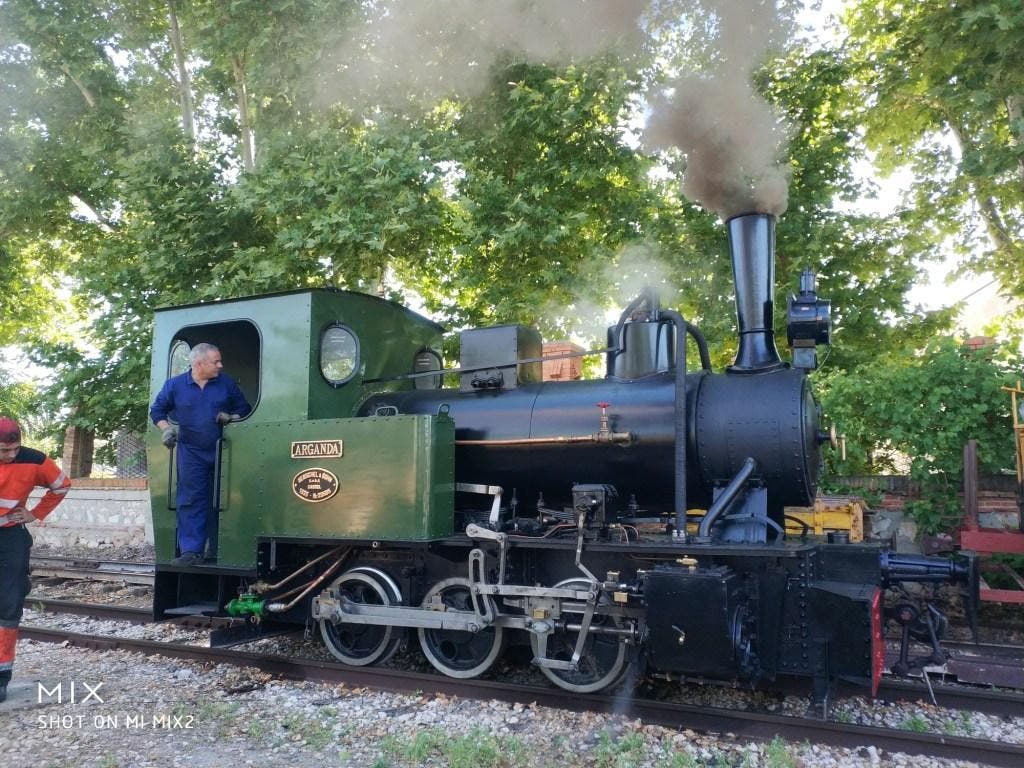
(924, 406)
(528, 201)
(550, 193)
(944, 83)
(17, 398)
(865, 263)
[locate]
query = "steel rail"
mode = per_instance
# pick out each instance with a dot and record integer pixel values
(990, 702)
(751, 725)
(976, 664)
(133, 614)
(992, 650)
(92, 570)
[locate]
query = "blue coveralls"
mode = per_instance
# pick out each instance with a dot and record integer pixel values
(195, 410)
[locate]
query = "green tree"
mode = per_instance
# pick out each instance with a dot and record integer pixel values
(518, 204)
(944, 83)
(17, 398)
(550, 192)
(20, 399)
(924, 406)
(865, 263)
(347, 205)
(103, 191)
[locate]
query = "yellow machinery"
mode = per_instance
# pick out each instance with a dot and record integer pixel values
(829, 513)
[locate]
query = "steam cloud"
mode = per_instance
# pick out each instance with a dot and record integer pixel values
(732, 139)
(427, 49)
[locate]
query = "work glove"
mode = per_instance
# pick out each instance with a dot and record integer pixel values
(226, 418)
(169, 435)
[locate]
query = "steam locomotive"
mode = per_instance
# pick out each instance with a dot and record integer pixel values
(635, 522)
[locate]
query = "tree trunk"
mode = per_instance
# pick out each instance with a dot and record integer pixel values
(86, 93)
(184, 82)
(1015, 114)
(242, 102)
(1002, 239)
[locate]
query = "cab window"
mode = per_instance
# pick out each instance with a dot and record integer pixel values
(339, 354)
(179, 358)
(240, 347)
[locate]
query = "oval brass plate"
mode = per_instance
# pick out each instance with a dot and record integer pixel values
(315, 484)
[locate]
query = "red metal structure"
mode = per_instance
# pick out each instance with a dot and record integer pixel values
(991, 541)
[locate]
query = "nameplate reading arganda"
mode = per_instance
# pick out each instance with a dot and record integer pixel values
(316, 449)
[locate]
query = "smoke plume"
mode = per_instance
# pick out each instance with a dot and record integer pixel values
(428, 49)
(732, 140)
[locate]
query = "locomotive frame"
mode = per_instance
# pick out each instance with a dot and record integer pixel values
(361, 496)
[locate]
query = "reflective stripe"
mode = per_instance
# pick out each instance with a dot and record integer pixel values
(61, 479)
(8, 640)
(9, 503)
(60, 491)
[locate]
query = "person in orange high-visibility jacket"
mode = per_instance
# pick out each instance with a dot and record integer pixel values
(21, 470)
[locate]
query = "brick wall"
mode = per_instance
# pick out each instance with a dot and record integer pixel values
(77, 459)
(997, 496)
(566, 369)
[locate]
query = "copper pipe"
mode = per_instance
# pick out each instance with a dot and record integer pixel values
(291, 592)
(277, 608)
(612, 437)
(259, 588)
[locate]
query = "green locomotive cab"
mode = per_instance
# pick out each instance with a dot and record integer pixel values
(301, 465)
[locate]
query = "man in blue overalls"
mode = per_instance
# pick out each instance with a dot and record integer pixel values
(201, 400)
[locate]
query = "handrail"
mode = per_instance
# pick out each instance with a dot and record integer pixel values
(171, 497)
(217, 464)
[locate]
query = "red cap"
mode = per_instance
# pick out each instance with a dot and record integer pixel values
(10, 432)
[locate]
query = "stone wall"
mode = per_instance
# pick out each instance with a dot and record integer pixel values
(98, 513)
(997, 496)
(997, 506)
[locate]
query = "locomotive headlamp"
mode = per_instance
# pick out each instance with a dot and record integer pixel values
(808, 323)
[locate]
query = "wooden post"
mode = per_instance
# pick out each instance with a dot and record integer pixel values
(971, 485)
(1018, 439)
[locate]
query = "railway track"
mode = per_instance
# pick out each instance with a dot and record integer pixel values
(132, 614)
(985, 664)
(750, 725)
(969, 663)
(891, 690)
(92, 570)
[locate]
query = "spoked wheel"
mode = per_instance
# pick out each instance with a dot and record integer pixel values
(362, 644)
(457, 652)
(603, 659)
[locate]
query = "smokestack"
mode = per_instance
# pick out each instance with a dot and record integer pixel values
(752, 249)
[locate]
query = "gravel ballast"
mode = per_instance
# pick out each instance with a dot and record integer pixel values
(159, 712)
